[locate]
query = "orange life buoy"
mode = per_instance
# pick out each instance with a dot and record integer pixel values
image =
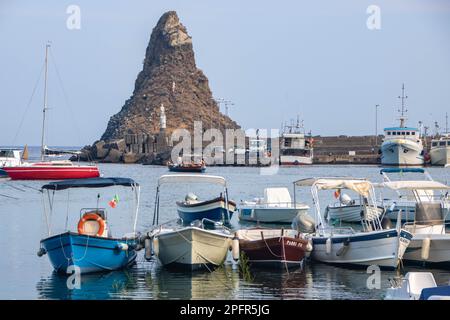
(92, 217)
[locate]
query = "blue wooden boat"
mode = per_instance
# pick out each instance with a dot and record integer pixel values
(89, 253)
(92, 248)
(216, 209)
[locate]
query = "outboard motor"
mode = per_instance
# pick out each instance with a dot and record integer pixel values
(345, 199)
(304, 223)
(386, 223)
(191, 197)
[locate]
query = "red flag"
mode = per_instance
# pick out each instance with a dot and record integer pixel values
(337, 193)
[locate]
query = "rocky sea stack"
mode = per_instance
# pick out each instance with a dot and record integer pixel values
(169, 78)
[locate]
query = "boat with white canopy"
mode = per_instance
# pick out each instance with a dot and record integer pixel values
(375, 244)
(405, 202)
(202, 244)
(430, 243)
(276, 207)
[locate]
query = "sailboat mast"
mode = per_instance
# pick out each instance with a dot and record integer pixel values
(47, 46)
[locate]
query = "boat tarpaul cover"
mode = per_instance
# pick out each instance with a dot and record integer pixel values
(360, 186)
(90, 183)
(279, 197)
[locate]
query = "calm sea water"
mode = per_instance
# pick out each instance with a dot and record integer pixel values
(23, 275)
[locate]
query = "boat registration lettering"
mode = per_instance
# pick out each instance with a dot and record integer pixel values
(293, 243)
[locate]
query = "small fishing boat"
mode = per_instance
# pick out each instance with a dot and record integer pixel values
(430, 244)
(402, 146)
(273, 247)
(350, 210)
(202, 244)
(275, 207)
(91, 248)
(187, 167)
(217, 209)
(404, 203)
(417, 286)
(376, 244)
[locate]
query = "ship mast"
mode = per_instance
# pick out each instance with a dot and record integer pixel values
(47, 46)
(403, 110)
(446, 122)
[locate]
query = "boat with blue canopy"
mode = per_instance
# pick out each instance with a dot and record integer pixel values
(91, 247)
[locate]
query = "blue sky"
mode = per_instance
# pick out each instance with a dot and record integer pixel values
(273, 59)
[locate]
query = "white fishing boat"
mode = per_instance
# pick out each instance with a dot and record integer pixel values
(430, 243)
(275, 207)
(404, 202)
(373, 245)
(440, 151)
(351, 210)
(402, 145)
(296, 147)
(417, 286)
(202, 244)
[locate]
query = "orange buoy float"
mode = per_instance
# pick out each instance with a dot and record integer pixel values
(92, 217)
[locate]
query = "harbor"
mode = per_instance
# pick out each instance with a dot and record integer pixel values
(196, 159)
(29, 277)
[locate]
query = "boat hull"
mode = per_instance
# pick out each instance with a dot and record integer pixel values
(270, 215)
(90, 254)
(440, 156)
(295, 160)
(215, 210)
(51, 172)
(383, 248)
(276, 252)
(191, 247)
(197, 169)
(439, 252)
(408, 212)
(351, 213)
(401, 152)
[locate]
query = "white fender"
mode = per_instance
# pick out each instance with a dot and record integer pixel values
(156, 245)
(328, 246)
(235, 248)
(425, 252)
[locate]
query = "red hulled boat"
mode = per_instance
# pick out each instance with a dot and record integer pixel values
(52, 170)
(273, 247)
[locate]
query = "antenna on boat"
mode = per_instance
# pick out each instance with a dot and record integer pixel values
(446, 122)
(403, 110)
(47, 46)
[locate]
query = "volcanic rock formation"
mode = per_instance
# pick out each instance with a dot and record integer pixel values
(169, 78)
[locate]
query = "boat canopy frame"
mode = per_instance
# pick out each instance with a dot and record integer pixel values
(49, 190)
(362, 186)
(187, 178)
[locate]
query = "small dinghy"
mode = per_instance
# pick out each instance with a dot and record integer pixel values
(278, 248)
(91, 248)
(187, 167)
(417, 286)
